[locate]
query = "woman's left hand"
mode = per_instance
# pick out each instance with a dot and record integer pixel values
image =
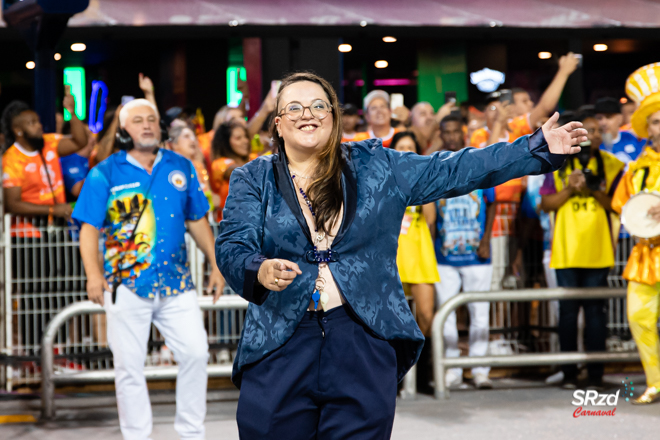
(565, 139)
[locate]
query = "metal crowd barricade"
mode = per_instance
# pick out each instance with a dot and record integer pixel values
(43, 274)
(442, 363)
(49, 378)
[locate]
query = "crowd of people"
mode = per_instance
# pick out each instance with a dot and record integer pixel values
(559, 229)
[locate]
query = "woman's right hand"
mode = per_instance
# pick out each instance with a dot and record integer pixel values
(277, 274)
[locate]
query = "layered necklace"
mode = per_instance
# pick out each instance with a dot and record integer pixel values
(319, 294)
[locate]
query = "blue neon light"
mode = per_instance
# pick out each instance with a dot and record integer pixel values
(96, 117)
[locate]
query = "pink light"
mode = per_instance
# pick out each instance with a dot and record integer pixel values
(392, 82)
(359, 82)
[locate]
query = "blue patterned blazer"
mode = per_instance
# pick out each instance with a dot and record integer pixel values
(262, 219)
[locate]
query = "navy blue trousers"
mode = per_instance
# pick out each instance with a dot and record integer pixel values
(595, 318)
(331, 380)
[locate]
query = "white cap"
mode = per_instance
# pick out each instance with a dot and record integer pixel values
(373, 95)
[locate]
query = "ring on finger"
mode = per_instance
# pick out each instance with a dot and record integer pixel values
(277, 282)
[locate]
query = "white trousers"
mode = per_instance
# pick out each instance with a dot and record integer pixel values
(475, 278)
(499, 257)
(179, 320)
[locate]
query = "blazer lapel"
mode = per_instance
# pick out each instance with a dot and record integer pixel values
(288, 192)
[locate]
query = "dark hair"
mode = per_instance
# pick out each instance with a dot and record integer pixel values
(402, 134)
(221, 146)
(325, 192)
(107, 121)
(268, 121)
(10, 113)
(452, 117)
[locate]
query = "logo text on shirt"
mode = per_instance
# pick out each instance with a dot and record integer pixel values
(125, 186)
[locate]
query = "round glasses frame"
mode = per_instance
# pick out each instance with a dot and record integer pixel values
(302, 113)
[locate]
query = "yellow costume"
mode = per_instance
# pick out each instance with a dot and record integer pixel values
(643, 268)
(416, 257)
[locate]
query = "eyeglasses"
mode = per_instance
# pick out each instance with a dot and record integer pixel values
(295, 110)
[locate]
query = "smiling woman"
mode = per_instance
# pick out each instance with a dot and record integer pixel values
(309, 237)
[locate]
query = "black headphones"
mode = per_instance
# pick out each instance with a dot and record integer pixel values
(123, 140)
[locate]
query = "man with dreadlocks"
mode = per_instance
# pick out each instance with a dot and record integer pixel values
(31, 173)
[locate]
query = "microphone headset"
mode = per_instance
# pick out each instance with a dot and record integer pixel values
(124, 141)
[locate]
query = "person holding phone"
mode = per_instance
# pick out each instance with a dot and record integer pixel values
(309, 237)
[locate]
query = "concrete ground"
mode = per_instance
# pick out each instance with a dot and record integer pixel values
(514, 409)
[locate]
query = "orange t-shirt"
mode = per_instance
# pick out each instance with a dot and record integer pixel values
(508, 194)
(480, 137)
(24, 169)
(387, 140)
(205, 140)
(520, 127)
(219, 184)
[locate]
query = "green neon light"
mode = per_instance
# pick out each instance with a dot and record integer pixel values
(75, 77)
(233, 95)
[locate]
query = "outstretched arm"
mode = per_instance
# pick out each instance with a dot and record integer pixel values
(78, 139)
(423, 179)
(548, 102)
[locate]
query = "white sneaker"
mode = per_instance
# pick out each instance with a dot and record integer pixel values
(482, 382)
(453, 380)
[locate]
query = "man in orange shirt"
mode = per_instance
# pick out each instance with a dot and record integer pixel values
(34, 188)
(378, 114)
(32, 177)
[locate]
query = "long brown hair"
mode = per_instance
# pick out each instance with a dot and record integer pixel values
(325, 192)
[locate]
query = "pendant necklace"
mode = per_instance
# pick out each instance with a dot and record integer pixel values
(319, 294)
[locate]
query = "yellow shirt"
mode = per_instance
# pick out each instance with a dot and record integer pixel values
(583, 234)
(644, 260)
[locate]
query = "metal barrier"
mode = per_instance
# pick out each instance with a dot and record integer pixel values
(43, 274)
(49, 378)
(441, 363)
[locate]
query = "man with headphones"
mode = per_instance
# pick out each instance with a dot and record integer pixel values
(143, 198)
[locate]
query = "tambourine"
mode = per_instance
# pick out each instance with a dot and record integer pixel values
(635, 217)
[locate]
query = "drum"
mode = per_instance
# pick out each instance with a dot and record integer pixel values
(635, 218)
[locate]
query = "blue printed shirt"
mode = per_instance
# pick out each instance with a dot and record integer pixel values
(626, 147)
(112, 197)
(74, 170)
(461, 224)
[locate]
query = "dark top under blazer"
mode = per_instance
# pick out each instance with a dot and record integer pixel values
(262, 219)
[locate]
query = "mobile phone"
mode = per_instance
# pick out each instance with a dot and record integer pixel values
(274, 87)
(396, 100)
(506, 95)
(450, 97)
(579, 57)
(126, 99)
